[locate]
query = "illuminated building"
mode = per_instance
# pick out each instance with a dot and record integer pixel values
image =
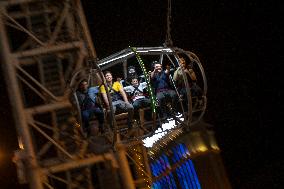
(188, 160)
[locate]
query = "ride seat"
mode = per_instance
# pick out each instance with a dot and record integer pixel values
(121, 120)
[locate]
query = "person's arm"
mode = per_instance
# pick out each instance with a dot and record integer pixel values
(191, 74)
(127, 89)
(167, 71)
(143, 85)
(104, 95)
(152, 74)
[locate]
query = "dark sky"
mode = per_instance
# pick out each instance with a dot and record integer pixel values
(239, 46)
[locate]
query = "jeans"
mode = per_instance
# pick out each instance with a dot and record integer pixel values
(126, 107)
(142, 102)
(88, 114)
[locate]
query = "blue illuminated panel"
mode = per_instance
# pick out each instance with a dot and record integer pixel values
(184, 176)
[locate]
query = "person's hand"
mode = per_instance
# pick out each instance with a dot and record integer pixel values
(168, 67)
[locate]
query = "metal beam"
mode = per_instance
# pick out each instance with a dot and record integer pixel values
(49, 107)
(17, 15)
(49, 49)
(82, 163)
(15, 2)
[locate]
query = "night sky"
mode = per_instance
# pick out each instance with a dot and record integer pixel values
(238, 44)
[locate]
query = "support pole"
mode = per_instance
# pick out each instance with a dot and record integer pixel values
(34, 174)
(124, 167)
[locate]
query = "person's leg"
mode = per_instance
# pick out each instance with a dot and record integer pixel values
(128, 108)
(196, 90)
(114, 105)
(185, 99)
(174, 98)
(98, 112)
(161, 104)
(85, 121)
(141, 103)
(161, 98)
(136, 104)
(145, 102)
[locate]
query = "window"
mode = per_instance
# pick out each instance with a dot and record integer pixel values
(176, 168)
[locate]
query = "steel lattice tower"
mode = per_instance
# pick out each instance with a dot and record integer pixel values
(42, 43)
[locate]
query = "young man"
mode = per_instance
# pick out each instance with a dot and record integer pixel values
(191, 77)
(161, 82)
(195, 90)
(137, 93)
(118, 97)
(89, 107)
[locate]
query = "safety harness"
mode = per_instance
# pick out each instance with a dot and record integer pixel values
(114, 94)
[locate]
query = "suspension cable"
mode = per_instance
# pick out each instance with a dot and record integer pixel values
(168, 40)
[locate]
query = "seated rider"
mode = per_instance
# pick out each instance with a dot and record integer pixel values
(118, 97)
(137, 93)
(186, 67)
(161, 82)
(87, 97)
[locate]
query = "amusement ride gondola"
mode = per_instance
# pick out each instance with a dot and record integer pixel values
(187, 109)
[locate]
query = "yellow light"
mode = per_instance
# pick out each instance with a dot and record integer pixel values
(202, 148)
(21, 145)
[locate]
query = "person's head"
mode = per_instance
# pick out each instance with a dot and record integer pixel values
(131, 73)
(135, 82)
(157, 66)
(131, 70)
(83, 85)
(182, 62)
(185, 63)
(108, 76)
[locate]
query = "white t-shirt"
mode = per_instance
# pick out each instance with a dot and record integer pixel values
(138, 94)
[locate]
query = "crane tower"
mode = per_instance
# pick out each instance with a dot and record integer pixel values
(42, 44)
